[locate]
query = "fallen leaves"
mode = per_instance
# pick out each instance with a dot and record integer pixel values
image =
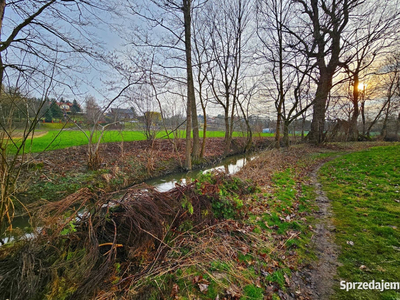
(380, 269)
(201, 283)
(234, 291)
(174, 291)
(287, 280)
(203, 288)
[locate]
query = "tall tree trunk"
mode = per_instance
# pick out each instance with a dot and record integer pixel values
(3, 147)
(227, 132)
(195, 125)
(286, 133)
(232, 119)
(190, 84)
(326, 69)
(353, 130)
(397, 126)
(303, 124)
(188, 157)
(281, 92)
(363, 119)
(203, 145)
(385, 121)
(316, 134)
(2, 10)
(249, 141)
(278, 126)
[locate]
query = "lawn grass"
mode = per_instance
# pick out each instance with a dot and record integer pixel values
(55, 139)
(364, 188)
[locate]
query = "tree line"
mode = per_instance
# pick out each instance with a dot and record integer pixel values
(310, 60)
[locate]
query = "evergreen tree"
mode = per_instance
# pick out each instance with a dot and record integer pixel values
(75, 108)
(56, 111)
(48, 117)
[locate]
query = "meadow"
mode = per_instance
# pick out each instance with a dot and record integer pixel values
(56, 139)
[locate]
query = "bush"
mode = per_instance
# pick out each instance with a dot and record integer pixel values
(226, 194)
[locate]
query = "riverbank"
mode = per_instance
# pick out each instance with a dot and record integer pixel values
(56, 174)
(218, 238)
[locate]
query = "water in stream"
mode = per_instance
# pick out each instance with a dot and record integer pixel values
(230, 165)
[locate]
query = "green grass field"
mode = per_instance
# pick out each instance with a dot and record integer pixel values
(54, 139)
(364, 188)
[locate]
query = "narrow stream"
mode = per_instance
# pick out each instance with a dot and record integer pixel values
(229, 165)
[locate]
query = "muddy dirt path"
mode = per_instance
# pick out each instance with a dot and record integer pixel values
(323, 270)
(18, 134)
(316, 280)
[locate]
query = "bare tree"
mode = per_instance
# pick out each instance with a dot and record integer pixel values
(300, 101)
(227, 22)
(289, 73)
(96, 131)
(142, 98)
(244, 102)
(201, 67)
(389, 81)
(371, 34)
(13, 145)
(37, 54)
(272, 17)
(317, 33)
(172, 19)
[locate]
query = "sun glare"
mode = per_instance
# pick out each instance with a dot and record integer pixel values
(362, 86)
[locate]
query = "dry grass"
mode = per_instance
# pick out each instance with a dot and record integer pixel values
(217, 243)
(91, 242)
(261, 169)
(20, 134)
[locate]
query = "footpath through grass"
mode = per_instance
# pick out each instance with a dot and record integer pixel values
(364, 188)
(55, 139)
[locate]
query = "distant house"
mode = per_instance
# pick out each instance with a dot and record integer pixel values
(122, 114)
(65, 106)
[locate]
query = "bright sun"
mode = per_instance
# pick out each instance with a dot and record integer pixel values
(362, 86)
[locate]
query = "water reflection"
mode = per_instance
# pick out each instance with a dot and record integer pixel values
(230, 165)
